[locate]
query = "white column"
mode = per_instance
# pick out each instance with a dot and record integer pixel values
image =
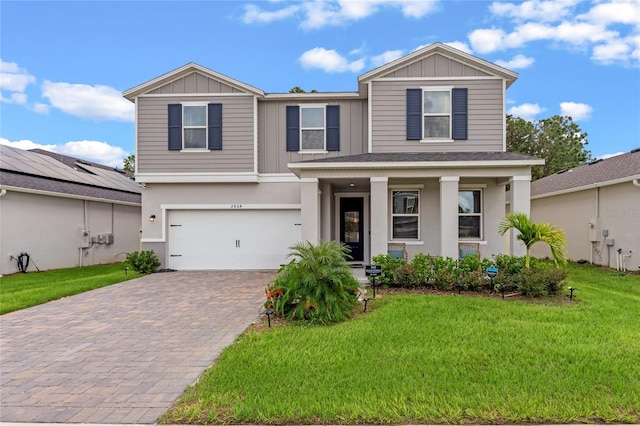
(379, 215)
(520, 203)
(325, 208)
(310, 213)
(449, 216)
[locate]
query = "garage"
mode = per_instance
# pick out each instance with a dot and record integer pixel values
(231, 239)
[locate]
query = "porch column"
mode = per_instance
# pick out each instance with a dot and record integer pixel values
(449, 216)
(379, 215)
(520, 203)
(310, 212)
(325, 208)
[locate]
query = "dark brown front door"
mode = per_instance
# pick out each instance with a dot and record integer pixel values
(352, 226)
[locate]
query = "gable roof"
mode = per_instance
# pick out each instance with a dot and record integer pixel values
(184, 70)
(68, 176)
(618, 169)
(443, 49)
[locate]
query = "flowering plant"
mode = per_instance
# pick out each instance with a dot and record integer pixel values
(273, 294)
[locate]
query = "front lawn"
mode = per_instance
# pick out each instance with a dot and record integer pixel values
(21, 291)
(439, 359)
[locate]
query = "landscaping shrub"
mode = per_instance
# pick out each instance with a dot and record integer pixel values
(317, 285)
(144, 261)
(423, 267)
(389, 265)
(445, 273)
(405, 276)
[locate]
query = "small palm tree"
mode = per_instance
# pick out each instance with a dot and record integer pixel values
(531, 233)
(317, 284)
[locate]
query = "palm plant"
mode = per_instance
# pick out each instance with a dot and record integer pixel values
(317, 284)
(531, 233)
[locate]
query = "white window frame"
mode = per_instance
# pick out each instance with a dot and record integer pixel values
(394, 215)
(480, 215)
(206, 126)
(322, 150)
(449, 114)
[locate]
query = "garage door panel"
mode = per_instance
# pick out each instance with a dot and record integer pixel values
(231, 239)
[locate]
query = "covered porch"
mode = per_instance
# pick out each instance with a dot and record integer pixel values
(430, 202)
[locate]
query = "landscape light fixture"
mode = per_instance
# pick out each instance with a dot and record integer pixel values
(152, 218)
(571, 292)
(365, 301)
(502, 289)
(460, 286)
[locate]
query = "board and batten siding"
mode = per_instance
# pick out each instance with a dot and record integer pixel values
(237, 137)
(485, 116)
(273, 156)
(195, 83)
(436, 66)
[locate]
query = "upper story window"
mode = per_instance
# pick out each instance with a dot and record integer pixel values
(195, 126)
(194, 118)
(470, 214)
(405, 214)
(313, 128)
(436, 114)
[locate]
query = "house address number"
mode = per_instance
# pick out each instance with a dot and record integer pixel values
(236, 206)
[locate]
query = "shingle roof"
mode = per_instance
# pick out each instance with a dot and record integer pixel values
(425, 157)
(596, 173)
(65, 175)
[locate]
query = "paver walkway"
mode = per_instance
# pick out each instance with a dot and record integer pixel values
(123, 353)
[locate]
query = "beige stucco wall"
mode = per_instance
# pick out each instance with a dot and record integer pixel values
(49, 229)
(615, 208)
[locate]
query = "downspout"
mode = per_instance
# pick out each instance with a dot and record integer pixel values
(3, 192)
(636, 182)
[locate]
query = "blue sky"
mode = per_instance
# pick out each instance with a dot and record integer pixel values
(65, 64)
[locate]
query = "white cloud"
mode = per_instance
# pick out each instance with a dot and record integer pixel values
(95, 151)
(460, 46)
(526, 111)
(605, 156)
(92, 102)
(386, 57)
(487, 40)
(609, 28)
(41, 108)
(517, 62)
(255, 14)
(575, 110)
(544, 11)
(329, 61)
(318, 14)
(15, 80)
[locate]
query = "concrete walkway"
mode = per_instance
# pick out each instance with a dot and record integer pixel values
(123, 353)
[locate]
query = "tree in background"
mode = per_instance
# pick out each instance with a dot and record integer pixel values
(558, 140)
(129, 163)
(298, 89)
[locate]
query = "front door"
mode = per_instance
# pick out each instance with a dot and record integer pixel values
(352, 225)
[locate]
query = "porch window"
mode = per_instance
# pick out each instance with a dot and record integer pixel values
(470, 214)
(405, 214)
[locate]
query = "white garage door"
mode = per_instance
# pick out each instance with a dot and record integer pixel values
(231, 239)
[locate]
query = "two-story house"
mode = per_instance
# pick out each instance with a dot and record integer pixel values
(233, 176)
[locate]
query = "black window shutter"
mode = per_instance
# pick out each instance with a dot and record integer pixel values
(459, 109)
(175, 127)
(215, 126)
(333, 127)
(414, 114)
(293, 128)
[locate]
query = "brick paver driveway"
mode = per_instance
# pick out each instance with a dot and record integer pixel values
(123, 353)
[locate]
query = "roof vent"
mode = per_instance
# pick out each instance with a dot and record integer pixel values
(633, 151)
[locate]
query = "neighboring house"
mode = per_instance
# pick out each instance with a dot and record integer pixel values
(64, 212)
(234, 176)
(598, 207)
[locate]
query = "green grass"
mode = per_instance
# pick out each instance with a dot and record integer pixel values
(21, 291)
(439, 359)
